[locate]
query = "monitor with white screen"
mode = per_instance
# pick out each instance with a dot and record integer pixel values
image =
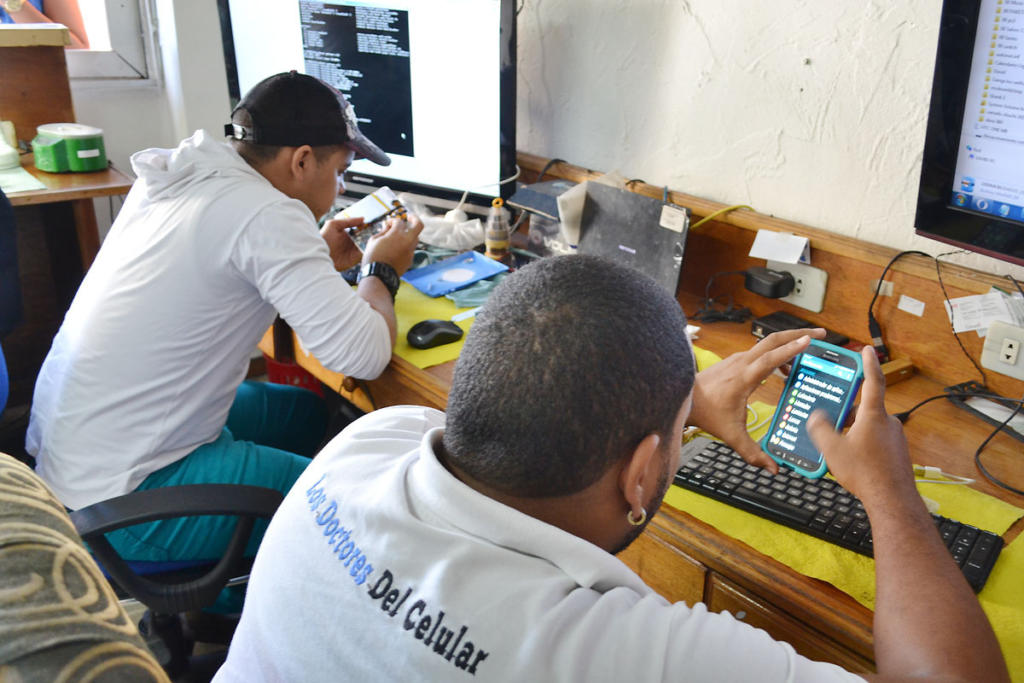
(432, 82)
(971, 193)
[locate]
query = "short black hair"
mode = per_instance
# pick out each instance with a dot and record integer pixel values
(571, 363)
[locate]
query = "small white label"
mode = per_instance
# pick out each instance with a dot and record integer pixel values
(628, 250)
(673, 218)
(88, 153)
(911, 305)
(780, 246)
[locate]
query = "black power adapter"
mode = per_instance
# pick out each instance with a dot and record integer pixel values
(773, 284)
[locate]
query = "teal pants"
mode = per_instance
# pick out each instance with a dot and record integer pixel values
(272, 431)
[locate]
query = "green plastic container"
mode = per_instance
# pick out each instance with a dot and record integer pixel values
(63, 147)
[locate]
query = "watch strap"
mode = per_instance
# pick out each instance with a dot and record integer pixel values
(383, 272)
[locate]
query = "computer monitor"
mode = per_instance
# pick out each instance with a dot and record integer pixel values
(971, 193)
(432, 82)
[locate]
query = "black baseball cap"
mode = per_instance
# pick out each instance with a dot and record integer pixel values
(292, 109)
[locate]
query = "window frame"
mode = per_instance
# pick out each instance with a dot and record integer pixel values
(132, 57)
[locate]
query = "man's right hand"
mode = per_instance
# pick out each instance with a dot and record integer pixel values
(871, 460)
(395, 244)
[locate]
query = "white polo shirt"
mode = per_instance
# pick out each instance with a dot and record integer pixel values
(382, 566)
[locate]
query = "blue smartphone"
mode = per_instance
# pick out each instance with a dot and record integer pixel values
(824, 377)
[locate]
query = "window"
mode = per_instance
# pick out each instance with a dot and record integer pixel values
(120, 41)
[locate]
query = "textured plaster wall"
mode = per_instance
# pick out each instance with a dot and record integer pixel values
(809, 110)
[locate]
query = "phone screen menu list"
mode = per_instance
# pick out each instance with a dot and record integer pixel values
(816, 384)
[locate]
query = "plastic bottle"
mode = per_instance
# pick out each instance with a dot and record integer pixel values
(497, 234)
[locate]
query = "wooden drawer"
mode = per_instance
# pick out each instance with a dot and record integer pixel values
(725, 595)
(673, 574)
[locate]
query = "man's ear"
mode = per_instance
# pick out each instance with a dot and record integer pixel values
(637, 477)
(301, 162)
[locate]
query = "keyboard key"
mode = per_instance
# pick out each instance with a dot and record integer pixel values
(767, 504)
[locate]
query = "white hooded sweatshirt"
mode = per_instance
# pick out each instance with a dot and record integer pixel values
(146, 363)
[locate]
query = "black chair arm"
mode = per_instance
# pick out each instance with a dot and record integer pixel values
(245, 502)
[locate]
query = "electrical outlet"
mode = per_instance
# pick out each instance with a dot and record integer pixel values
(1001, 351)
(809, 291)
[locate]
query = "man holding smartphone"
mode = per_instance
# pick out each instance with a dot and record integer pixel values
(480, 541)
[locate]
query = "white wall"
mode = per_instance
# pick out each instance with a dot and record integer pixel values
(807, 110)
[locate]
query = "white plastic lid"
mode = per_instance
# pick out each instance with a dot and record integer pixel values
(69, 130)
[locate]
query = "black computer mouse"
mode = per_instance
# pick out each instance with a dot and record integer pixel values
(426, 334)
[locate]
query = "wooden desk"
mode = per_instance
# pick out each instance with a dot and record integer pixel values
(685, 559)
(76, 190)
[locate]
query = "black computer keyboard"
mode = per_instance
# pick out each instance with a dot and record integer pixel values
(819, 507)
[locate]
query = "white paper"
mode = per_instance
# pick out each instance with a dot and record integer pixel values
(911, 305)
(978, 312)
(672, 218)
(780, 246)
(18, 180)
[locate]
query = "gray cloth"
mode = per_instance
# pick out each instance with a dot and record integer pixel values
(59, 618)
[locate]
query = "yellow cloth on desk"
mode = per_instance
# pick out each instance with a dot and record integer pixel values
(1002, 598)
(412, 306)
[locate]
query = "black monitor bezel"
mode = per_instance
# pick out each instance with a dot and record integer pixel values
(935, 217)
(506, 116)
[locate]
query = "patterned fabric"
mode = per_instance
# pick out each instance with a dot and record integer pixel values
(59, 618)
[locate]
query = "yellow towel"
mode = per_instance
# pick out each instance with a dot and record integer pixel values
(1002, 597)
(412, 306)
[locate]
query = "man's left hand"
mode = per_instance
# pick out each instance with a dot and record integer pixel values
(721, 392)
(344, 251)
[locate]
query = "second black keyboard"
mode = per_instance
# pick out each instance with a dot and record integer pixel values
(819, 507)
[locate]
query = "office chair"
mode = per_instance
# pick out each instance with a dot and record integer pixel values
(175, 593)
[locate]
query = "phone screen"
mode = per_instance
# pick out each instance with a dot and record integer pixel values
(817, 382)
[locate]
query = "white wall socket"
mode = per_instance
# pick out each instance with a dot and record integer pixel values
(809, 291)
(1001, 351)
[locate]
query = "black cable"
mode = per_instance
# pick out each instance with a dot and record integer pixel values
(707, 313)
(952, 327)
(547, 167)
(1015, 283)
(873, 327)
(977, 454)
(905, 415)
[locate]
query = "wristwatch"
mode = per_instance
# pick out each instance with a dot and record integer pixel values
(383, 272)
(12, 6)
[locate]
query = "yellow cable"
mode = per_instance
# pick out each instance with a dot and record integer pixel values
(719, 213)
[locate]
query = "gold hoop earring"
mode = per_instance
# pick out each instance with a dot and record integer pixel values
(636, 522)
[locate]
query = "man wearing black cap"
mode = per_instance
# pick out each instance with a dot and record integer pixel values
(143, 388)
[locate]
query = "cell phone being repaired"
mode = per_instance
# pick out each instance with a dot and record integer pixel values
(824, 377)
(374, 209)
